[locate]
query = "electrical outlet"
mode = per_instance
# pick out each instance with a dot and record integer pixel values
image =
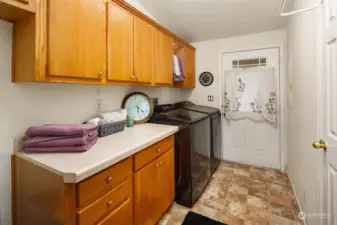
(98, 106)
(210, 98)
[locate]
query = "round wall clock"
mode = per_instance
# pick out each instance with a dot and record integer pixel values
(139, 105)
(206, 79)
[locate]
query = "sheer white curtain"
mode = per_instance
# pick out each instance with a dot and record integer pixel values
(251, 93)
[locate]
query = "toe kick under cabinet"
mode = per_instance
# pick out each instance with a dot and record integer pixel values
(137, 190)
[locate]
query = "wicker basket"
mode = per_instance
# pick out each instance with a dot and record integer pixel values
(111, 128)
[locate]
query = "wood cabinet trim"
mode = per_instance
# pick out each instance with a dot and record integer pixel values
(152, 22)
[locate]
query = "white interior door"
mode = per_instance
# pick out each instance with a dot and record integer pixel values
(328, 121)
(247, 141)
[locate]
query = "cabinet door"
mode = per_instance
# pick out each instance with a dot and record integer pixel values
(163, 59)
(154, 189)
(77, 38)
(120, 43)
(143, 51)
(189, 68)
(167, 181)
(146, 194)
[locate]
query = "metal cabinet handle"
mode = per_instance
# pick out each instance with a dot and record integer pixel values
(109, 180)
(159, 163)
(158, 150)
(100, 74)
(109, 203)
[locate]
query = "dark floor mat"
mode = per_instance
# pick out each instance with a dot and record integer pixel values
(196, 219)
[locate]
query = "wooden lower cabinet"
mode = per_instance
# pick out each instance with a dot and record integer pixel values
(119, 195)
(154, 189)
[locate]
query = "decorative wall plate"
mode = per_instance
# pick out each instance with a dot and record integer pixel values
(206, 79)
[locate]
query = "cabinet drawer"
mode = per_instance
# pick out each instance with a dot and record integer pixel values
(102, 182)
(144, 157)
(106, 204)
(123, 214)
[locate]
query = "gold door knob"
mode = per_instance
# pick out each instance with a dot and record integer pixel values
(320, 145)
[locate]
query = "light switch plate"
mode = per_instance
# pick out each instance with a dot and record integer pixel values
(210, 98)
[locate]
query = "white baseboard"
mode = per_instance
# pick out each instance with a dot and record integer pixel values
(294, 191)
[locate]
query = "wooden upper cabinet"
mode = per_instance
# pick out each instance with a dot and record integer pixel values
(163, 59)
(143, 51)
(91, 42)
(77, 39)
(188, 55)
(190, 68)
(120, 43)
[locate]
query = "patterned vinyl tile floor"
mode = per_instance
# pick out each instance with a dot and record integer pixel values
(243, 195)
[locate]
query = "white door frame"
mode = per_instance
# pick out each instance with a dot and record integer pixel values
(283, 95)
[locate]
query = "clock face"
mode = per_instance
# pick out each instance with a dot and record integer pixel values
(139, 106)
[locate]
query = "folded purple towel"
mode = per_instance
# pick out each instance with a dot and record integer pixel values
(57, 130)
(60, 141)
(64, 149)
(181, 69)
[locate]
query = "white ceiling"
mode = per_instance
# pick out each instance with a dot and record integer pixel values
(198, 20)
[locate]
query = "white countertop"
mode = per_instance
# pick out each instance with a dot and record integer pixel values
(75, 167)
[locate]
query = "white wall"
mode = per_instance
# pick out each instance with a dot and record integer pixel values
(302, 39)
(207, 59)
(24, 105)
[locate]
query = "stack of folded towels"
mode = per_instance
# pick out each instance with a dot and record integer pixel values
(61, 138)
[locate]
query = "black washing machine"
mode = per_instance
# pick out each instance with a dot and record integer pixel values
(192, 151)
(216, 134)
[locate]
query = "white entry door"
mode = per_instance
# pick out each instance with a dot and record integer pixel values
(328, 123)
(247, 141)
